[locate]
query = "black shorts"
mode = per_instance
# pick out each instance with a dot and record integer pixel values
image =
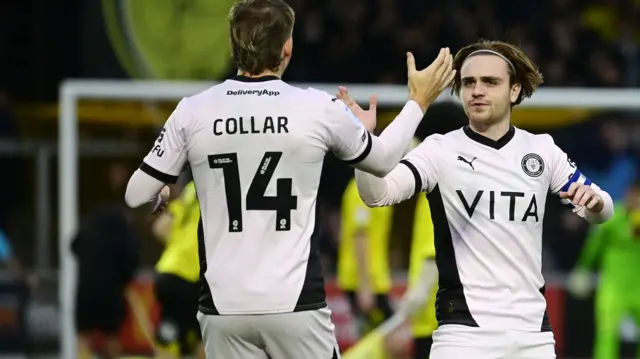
(383, 306)
(99, 310)
(422, 347)
(178, 300)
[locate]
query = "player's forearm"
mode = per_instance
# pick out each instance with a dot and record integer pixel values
(603, 215)
(428, 278)
(393, 188)
(389, 148)
(419, 291)
(142, 189)
(161, 227)
(361, 260)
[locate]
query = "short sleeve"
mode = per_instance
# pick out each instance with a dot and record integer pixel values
(422, 161)
(564, 172)
(169, 152)
(348, 139)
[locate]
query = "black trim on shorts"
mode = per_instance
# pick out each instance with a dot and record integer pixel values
(364, 153)
(416, 176)
(160, 176)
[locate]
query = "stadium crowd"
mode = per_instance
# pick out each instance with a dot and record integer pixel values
(576, 43)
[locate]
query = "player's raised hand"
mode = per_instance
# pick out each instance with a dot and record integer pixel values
(367, 117)
(584, 196)
(427, 84)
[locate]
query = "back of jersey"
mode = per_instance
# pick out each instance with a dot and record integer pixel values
(256, 148)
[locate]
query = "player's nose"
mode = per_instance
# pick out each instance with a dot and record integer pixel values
(478, 89)
(478, 93)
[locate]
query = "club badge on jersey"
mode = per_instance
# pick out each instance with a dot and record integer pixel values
(532, 165)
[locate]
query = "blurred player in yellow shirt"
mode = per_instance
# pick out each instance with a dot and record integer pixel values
(363, 269)
(418, 303)
(176, 287)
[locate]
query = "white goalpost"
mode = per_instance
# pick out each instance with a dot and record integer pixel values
(72, 91)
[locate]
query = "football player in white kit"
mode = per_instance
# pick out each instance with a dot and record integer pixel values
(255, 146)
(489, 180)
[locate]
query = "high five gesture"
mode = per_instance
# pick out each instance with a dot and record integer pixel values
(427, 84)
(424, 86)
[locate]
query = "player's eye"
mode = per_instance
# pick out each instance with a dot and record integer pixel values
(467, 82)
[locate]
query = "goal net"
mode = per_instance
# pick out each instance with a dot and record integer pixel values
(391, 97)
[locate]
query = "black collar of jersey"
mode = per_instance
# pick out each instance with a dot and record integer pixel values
(242, 78)
(489, 142)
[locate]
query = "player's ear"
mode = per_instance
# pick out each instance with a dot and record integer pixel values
(287, 49)
(515, 92)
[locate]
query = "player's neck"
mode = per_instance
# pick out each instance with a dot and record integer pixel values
(494, 131)
(262, 74)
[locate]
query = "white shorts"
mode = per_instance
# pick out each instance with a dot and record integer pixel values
(459, 341)
(307, 334)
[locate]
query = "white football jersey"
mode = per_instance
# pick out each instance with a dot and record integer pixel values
(487, 201)
(256, 148)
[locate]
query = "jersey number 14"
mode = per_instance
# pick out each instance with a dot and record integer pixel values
(282, 203)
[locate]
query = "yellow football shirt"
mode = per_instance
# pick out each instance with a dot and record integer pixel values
(376, 222)
(424, 322)
(180, 256)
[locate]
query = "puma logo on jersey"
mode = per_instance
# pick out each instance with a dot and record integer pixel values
(470, 163)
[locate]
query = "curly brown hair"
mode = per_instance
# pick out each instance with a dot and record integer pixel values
(258, 31)
(526, 72)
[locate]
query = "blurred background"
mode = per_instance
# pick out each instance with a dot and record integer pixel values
(586, 44)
